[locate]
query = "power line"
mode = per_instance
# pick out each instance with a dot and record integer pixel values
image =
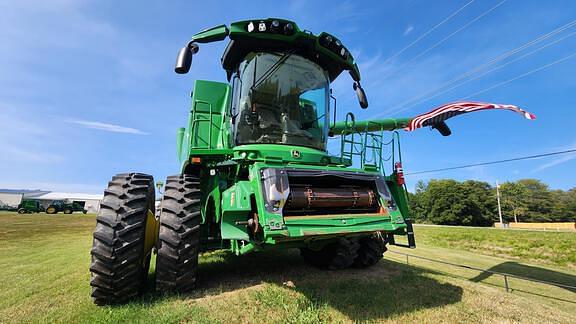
(446, 38)
(427, 32)
(494, 162)
(496, 68)
(407, 104)
(522, 75)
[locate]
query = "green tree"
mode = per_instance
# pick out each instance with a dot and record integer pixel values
(538, 201)
(473, 203)
(513, 198)
(418, 206)
(481, 202)
(564, 205)
(449, 202)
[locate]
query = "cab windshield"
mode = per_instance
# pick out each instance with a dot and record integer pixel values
(280, 99)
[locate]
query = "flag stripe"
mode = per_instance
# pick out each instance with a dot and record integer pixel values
(450, 110)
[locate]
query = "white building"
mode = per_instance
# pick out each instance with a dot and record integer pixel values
(11, 198)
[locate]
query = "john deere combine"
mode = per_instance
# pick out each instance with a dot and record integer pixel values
(255, 171)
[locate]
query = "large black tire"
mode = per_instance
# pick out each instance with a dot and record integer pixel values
(371, 250)
(51, 210)
(179, 239)
(335, 256)
(21, 211)
(119, 266)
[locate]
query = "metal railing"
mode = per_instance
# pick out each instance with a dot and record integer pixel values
(504, 275)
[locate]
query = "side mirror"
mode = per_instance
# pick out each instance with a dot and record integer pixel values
(442, 128)
(184, 59)
(361, 95)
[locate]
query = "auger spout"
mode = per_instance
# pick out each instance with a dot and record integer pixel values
(388, 124)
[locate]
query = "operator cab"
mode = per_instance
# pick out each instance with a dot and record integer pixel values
(280, 98)
(280, 79)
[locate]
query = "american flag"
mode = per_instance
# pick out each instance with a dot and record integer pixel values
(450, 110)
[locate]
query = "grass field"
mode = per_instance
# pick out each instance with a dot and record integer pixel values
(44, 278)
(547, 248)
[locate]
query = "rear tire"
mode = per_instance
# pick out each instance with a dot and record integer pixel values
(21, 211)
(371, 251)
(179, 239)
(119, 266)
(335, 256)
(51, 210)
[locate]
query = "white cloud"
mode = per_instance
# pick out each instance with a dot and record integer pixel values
(408, 30)
(560, 160)
(108, 127)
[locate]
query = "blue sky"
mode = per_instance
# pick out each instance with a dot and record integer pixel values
(87, 88)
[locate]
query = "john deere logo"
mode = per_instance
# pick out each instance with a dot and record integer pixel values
(296, 154)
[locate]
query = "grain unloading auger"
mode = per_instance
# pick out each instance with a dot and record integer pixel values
(255, 171)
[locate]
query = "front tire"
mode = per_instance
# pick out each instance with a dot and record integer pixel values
(179, 238)
(67, 211)
(51, 210)
(21, 211)
(122, 239)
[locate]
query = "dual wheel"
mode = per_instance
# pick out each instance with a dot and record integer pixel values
(344, 253)
(127, 231)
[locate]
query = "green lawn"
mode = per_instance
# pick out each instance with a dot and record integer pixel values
(546, 248)
(44, 278)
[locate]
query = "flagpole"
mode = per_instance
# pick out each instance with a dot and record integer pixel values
(499, 208)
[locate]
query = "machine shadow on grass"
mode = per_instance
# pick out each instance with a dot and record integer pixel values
(384, 290)
(531, 272)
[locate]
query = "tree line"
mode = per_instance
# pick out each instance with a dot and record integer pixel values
(474, 203)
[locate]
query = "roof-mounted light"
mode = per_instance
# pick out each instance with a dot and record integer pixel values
(333, 44)
(274, 26)
(267, 26)
(288, 29)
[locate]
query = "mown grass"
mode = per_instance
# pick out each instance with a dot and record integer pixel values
(44, 278)
(547, 248)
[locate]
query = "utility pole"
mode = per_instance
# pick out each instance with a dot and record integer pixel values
(499, 208)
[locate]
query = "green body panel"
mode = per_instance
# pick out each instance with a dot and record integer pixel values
(30, 206)
(213, 34)
(232, 178)
(235, 207)
(208, 132)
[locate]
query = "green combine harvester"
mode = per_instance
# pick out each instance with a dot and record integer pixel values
(255, 170)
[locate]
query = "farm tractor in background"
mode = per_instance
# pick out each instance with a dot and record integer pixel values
(29, 207)
(66, 207)
(256, 174)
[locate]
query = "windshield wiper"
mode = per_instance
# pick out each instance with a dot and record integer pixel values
(272, 69)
